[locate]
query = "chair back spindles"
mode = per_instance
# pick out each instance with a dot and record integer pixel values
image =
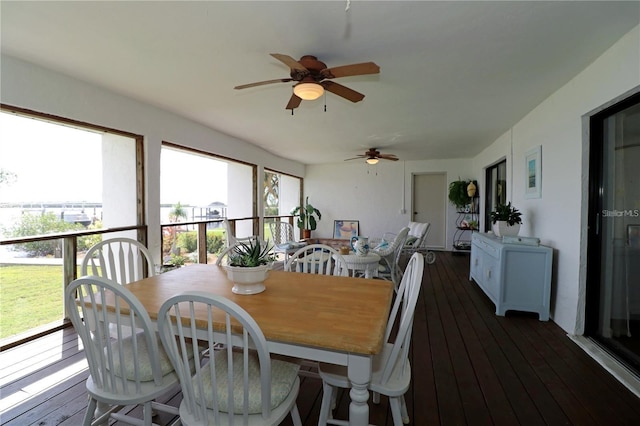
(223, 389)
(391, 375)
(123, 260)
(317, 259)
(124, 367)
(402, 313)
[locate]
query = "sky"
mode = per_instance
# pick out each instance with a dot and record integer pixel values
(191, 179)
(54, 163)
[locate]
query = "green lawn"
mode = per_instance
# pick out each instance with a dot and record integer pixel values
(30, 296)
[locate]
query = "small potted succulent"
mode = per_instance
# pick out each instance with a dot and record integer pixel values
(506, 220)
(249, 265)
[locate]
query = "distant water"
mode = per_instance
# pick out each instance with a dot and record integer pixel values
(11, 215)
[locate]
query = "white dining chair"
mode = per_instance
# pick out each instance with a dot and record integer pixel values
(223, 257)
(231, 238)
(128, 369)
(391, 375)
(390, 256)
(123, 260)
(237, 382)
(317, 259)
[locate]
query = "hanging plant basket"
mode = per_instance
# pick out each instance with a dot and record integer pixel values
(458, 194)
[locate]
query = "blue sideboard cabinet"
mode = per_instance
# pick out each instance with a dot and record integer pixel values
(514, 276)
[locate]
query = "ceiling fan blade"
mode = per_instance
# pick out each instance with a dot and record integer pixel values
(261, 83)
(388, 157)
(353, 69)
(342, 91)
(356, 158)
(294, 102)
(290, 62)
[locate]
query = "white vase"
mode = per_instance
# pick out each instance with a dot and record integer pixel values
(248, 280)
(502, 228)
(360, 245)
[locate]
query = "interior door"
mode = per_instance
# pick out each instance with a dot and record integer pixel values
(429, 198)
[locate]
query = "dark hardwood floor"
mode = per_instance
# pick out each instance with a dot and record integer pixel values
(469, 367)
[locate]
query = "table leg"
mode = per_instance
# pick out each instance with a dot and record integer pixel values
(359, 372)
(367, 271)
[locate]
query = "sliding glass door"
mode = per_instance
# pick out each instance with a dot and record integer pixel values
(613, 283)
(496, 191)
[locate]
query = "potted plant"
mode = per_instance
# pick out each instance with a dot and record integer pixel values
(460, 193)
(174, 262)
(307, 220)
(506, 220)
(249, 265)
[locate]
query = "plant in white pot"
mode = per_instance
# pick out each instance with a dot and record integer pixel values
(307, 220)
(506, 220)
(248, 267)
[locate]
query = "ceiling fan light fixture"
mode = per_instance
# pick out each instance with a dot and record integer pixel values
(372, 160)
(308, 91)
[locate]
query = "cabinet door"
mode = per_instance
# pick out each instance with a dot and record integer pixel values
(492, 278)
(475, 268)
(526, 283)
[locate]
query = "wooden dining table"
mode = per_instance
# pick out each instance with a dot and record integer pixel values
(331, 319)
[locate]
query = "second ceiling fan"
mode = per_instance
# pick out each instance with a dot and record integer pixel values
(372, 156)
(314, 77)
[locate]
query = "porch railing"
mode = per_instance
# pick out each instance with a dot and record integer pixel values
(69, 261)
(201, 226)
(69, 255)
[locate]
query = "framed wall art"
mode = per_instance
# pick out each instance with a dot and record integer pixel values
(533, 173)
(345, 229)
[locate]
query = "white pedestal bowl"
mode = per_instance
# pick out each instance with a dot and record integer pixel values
(248, 280)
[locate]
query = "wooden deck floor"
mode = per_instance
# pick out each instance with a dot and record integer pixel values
(469, 367)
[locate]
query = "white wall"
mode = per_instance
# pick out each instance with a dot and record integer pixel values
(374, 195)
(32, 87)
(556, 125)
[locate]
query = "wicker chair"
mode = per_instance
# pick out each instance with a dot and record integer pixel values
(417, 241)
(390, 255)
(283, 239)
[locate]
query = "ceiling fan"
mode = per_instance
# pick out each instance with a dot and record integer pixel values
(313, 78)
(372, 156)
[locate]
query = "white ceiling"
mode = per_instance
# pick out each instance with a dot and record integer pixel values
(454, 75)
